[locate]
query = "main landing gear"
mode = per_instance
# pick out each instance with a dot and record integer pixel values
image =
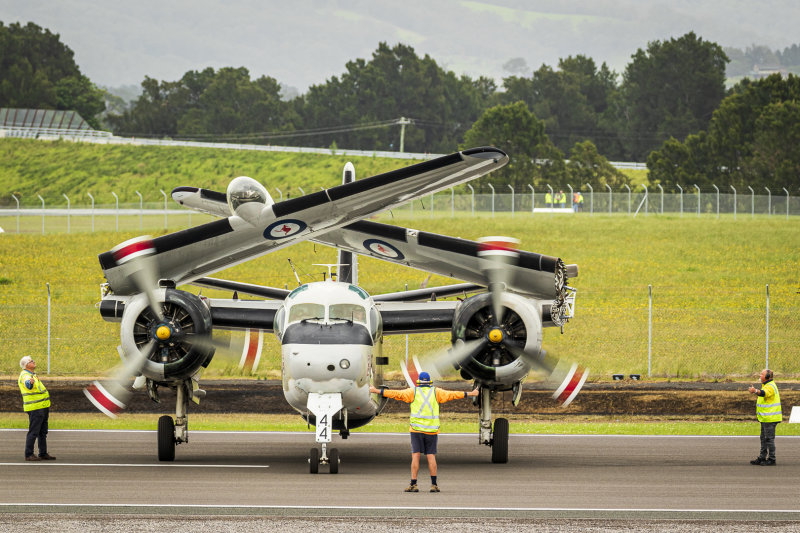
(316, 458)
(497, 439)
(172, 433)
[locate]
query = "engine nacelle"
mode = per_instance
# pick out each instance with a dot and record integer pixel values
(178, 345)
(247, 198)
(496, 366)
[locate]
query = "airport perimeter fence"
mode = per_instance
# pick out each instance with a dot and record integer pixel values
(125, 214)
(657, 332)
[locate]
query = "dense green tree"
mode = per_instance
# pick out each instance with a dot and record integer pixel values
(517, 131)
(574, 102)
(395, 83)
(586, 165)
(670, 90)
(38, 71)
(751, 141)
(209, 104)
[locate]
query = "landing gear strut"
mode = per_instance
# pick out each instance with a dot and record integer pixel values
(172, 433)
(497, 439)
(315, 459)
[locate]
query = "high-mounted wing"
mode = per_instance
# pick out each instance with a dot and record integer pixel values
(537, 275)
(190, 254)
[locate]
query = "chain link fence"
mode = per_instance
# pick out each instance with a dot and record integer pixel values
(714, 334)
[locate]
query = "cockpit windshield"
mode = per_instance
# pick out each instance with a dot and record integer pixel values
(307, 311)
(355, 313)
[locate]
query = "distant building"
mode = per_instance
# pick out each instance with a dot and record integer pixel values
(45, 123)
(760, 72)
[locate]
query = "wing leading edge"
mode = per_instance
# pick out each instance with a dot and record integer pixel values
(190, 254)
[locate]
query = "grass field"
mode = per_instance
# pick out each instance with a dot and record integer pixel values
(398, 423)
(708, 280)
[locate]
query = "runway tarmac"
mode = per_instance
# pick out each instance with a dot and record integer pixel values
(266, 473)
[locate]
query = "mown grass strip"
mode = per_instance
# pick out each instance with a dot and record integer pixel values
(395, 423)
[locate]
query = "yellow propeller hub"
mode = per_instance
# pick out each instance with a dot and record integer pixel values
(496, 335)
(163, 333)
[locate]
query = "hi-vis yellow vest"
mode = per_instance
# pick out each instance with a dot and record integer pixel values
(769, 412)
(425, 410)
(35, 398)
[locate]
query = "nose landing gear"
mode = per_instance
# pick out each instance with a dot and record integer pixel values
(315, 459)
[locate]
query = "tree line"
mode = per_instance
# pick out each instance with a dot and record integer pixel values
(669, 107)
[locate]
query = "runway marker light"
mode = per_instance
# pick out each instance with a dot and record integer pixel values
(618, 377)
(636, 377)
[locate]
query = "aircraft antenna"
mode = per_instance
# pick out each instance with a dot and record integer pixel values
(295, 273)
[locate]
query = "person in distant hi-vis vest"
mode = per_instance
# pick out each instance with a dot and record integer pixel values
(424, 400)
(768, 411)
(35, 402)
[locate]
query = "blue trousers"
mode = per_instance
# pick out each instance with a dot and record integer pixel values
(37, 429)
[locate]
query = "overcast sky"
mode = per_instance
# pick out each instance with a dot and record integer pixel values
(305, 42)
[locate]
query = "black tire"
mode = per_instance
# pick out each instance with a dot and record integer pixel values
(333, 457)
(313, 461)
(500, 441)
(166, 438)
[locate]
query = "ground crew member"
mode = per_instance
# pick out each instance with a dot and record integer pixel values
(548, 199)
(577, 201)
(561, 199)
(424, 400)
(35, 402)
(768, 411)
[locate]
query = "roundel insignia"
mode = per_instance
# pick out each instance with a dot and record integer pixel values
(383, 249)
(284, 228)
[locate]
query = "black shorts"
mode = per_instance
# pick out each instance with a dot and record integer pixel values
(424, 443)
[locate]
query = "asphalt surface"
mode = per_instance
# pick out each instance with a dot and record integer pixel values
(559, 483)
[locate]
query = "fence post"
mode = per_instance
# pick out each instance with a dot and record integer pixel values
(681, 188)
(610, 197)
(472, 191)
(42, 199)
(92, 197)
(649, 329)
(16, 200)
(766, 365)
(716, 189)
(490, 186)
(646, 198)
(533, 198)
(787, 202)
(48, 327)
(629, 198)
(660, 188)
(117, 200)
(734, 202)
(141, 209)
(552, 199)
(67, 197)
(280, 193)
(512, 199)
(752, 202)
(769, 202)
(165, 208)
(301, 190)
(571, 197)
(698, 199)
(591, 199)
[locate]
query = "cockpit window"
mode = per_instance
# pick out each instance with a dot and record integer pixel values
(353, 312)
(300, 312)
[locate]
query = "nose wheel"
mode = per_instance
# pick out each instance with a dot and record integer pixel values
(317, 457)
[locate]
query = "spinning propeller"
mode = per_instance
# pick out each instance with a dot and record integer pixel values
(500, 331)
(155, 332)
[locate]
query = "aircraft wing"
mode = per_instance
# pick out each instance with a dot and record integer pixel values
(537, 275)
(187, 255)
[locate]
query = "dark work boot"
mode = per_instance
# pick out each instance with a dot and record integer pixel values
(758, 461)
(769, 462)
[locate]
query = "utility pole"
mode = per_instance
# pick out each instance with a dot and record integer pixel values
(403, 121)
